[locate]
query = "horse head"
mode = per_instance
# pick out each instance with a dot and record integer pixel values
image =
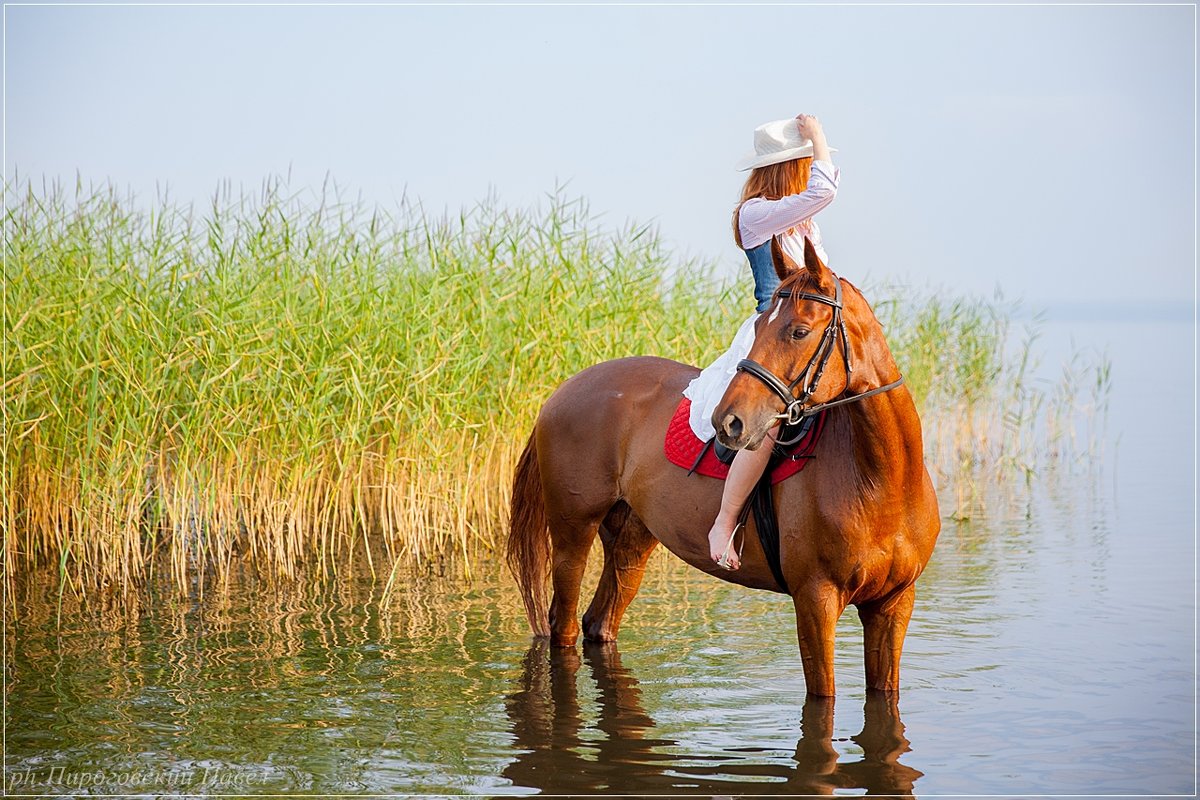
(816, 344)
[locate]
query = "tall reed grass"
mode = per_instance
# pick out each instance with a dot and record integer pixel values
(288, 383)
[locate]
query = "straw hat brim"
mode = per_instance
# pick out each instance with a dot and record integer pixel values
(753, 161)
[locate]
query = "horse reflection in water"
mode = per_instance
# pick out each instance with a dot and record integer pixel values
(548, 724)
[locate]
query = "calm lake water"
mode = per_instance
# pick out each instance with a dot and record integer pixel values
(1052, 650)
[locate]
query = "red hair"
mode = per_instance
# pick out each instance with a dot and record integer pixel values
(773, 182)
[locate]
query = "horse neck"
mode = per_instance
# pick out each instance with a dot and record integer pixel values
(884, 434)
(883, 431)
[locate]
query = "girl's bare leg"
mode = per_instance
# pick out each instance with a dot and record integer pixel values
(744, 472)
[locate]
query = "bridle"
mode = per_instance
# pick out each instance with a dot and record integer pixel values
(795, 409)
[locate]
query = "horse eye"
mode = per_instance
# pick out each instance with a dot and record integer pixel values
(799, 333)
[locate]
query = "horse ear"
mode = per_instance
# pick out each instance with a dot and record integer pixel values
(815, 267)
(785, 265)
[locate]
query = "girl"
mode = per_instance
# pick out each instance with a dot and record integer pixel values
(792, 179)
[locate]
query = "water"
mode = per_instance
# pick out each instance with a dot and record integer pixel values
(1052, 650)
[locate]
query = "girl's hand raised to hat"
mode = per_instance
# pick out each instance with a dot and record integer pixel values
(809, 125)
(810, 128)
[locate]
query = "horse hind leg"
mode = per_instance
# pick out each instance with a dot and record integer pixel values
(577, 500)
(627, 548)
(571, 541)
(579, 485)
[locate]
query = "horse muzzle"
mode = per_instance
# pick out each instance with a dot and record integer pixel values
(737, 433)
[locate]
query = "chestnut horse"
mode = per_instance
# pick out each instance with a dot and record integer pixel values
(857, 526)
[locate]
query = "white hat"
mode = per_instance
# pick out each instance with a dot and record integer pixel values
(775, 142)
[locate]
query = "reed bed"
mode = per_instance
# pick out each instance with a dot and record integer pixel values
(291, 383)
(994, 418)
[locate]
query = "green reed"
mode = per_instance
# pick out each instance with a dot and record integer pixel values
(289, 382)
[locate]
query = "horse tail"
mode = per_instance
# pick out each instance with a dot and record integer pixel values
(528, 547)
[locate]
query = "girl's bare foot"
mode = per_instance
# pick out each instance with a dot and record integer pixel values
(721, 547)
(744, 472)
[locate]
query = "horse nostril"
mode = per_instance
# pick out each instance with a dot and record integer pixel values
(733, 426)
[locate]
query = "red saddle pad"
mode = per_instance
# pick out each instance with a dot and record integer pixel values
(682, 447)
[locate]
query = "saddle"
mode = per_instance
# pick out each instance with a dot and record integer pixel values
(711, 459)
(684, 449)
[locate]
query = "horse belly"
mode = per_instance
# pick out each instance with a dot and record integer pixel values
(678, 508)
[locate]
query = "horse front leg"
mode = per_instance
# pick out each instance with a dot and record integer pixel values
(884, 624)
(627, 547)
(817, 610)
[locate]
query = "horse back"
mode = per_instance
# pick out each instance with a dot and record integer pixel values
(615, 393)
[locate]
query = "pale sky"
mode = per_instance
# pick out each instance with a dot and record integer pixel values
(1047, 151)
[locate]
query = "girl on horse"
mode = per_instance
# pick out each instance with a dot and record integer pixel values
(792, 178)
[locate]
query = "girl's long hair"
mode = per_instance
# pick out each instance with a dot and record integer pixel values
(772, 182)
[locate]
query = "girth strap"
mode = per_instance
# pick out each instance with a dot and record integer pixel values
(767, 525)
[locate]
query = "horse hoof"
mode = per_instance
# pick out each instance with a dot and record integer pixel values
(600, 635)
(563, 640)
(594, 630)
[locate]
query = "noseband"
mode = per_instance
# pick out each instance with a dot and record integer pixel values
(795, 409)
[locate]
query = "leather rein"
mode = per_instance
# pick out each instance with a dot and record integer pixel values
(795, 409)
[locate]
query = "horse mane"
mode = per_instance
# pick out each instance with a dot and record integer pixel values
(870, 308)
